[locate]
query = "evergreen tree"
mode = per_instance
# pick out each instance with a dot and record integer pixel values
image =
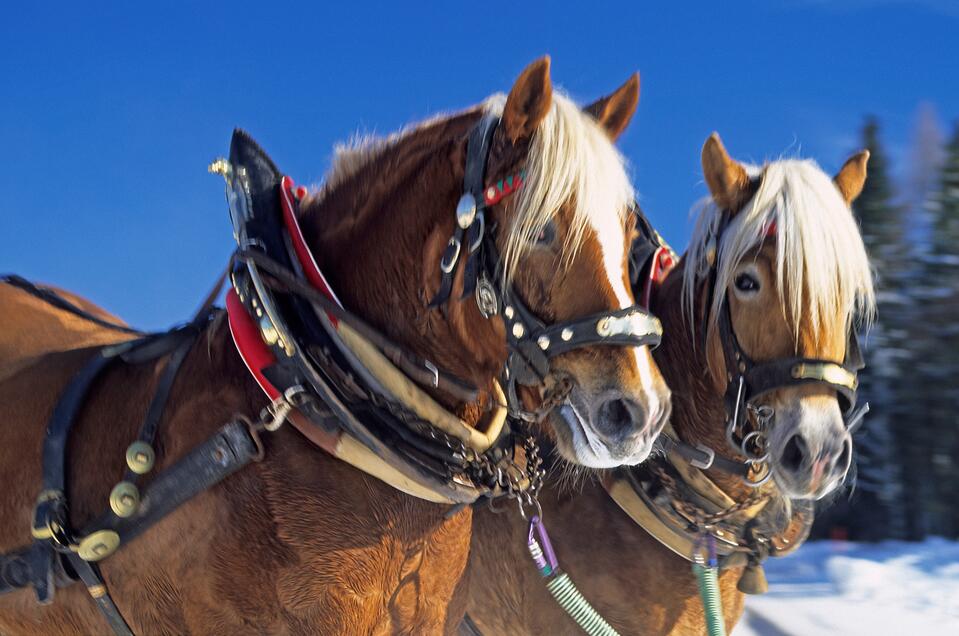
(876, 509)
(939, 345)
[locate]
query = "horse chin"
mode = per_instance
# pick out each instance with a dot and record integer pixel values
(807, 489)
(579, 444)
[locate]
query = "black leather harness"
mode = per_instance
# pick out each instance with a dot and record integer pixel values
(531, 342)
(314, 373)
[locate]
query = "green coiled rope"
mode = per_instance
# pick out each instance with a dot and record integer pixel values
(561, 586)
(707, 577)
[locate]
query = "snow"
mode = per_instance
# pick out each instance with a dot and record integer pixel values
(833, 587)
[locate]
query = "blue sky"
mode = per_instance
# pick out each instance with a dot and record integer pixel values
(109, 114)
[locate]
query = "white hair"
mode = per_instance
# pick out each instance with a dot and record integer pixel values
(823, 272)
(571, 161)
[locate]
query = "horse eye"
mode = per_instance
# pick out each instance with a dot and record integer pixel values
(546, 235)
(746, 283)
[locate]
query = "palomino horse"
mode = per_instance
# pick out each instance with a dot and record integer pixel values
(780, 251)
(298, 541)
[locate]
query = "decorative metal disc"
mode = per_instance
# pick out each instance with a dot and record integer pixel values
(486, 297)
(466, 210)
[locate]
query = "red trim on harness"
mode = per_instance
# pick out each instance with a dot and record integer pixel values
(246, 336)
(503, 188)
(303, 253)
(663, 262)
(770, 229)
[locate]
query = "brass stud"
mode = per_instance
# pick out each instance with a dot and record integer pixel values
(98, 545)
(508, 312)
(603, 328)
(566, 335)
(140, 457)
(124, 499)
(219, 166)
(270, 335)
(543, 342)
(518, 330)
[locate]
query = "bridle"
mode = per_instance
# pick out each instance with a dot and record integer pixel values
(747, 382)
(532, 343)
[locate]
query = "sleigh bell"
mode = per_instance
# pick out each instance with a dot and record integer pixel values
(753, 579)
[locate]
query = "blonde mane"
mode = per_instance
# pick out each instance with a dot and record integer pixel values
(571, 162)
(824, 277)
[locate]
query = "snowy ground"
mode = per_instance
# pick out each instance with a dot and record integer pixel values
(853, 589)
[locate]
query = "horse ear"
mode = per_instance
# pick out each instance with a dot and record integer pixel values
(615, 111)
(852, 176)
(529, 101)
(727, 180)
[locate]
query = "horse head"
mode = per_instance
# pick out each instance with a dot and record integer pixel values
(556, 211)
(778, 270)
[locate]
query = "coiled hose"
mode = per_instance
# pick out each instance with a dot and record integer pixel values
(707, 576)
(561, 586)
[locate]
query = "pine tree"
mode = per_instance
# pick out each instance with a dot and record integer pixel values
(875, 509)
(940, 345)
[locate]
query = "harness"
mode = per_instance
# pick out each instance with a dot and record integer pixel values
(671, 496)
(338, 381)
(532, 344)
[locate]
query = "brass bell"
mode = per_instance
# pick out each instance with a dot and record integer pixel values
(753, 580)
(124, 499)
(140, 457)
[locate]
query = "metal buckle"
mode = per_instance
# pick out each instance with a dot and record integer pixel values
(447, 265)
(436, 373)
(710, 457)
(276, 412)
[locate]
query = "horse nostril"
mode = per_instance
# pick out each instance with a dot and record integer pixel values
(794, 452)
(618, 417)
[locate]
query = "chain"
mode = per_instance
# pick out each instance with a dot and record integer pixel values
(553, 397)
(701, 517)
(494, 470)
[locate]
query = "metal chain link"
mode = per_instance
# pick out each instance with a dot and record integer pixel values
(700, 517)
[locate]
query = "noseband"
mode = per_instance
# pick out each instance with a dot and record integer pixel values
(532, 344)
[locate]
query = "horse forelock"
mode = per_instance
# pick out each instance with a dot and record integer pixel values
(572, 168)
(824, 279)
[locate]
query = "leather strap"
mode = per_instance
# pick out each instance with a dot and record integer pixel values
(89, 573)
(51, 297)
(227, 451)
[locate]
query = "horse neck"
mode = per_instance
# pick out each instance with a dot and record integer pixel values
(699, 414)
(379, 236)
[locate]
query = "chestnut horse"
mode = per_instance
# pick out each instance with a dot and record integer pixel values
(33, 327)
(301, 542)
(779, 244)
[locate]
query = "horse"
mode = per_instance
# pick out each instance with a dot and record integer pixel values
(775, 272)
(295, 540)
(33, 327)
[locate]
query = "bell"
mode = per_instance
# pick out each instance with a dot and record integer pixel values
(753, 580)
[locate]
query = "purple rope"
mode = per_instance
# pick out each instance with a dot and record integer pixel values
(536, 526)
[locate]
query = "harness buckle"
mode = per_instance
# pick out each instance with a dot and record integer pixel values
(435, 379)
(277, 411)
(706, 463)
